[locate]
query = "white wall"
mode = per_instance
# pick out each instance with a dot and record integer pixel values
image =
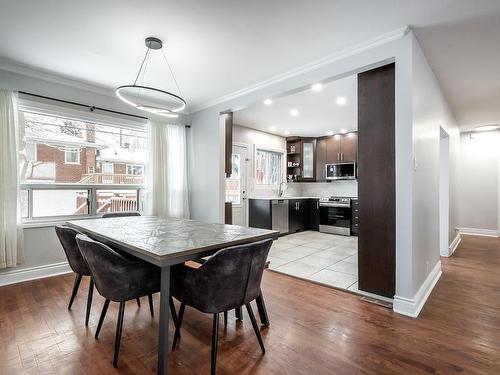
(255, 138)
(430, 111)
(479, 181)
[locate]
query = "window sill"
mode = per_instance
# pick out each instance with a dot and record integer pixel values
(43, 223)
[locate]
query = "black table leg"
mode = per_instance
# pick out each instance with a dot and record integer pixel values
(261, 306)
(163, 325)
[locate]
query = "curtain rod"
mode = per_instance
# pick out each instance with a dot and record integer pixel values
(92, 108)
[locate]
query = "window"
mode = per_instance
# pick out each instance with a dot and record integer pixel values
(135, 169)
(54, 187)
(268, 167)
(30, 151)
(71, 155)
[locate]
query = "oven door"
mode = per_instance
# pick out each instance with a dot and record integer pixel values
(341, 171)
(336, 220)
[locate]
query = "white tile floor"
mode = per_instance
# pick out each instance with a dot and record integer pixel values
(324, 258)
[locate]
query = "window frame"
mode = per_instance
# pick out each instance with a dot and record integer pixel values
(28, 105)
(133, 165)
(67, 150)
(283, 163)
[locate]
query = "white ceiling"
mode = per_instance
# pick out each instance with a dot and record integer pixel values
(218, 47)
(319, 112)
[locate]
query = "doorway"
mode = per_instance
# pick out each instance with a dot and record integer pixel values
(444, 192)
(236, 184)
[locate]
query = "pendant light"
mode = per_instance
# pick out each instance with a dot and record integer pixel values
(151, 99)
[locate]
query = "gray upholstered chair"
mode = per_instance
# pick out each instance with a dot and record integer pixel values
(77, 263)
(118, 279)
(120, 214)
(227, 280)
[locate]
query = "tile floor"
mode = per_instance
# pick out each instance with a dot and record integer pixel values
(324, 258)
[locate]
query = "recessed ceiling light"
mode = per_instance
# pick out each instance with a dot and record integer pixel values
(272, 128)
(317, 87)
(486, 128)
(294, 112)
(343, 131)
(341, 100)
(268, 102)
(329, 133)
(287, 132)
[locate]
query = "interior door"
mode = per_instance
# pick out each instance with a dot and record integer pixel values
(236, 185)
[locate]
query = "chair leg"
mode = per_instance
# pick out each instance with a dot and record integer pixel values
(255, 327)
(76, 284)
(178, 326)
(150, 299)
(261, 306)
(119, 325)
(239, 313)
(101, 318)
(89, 301)
(225, 318)
(138, 302)
(172, 310)
(215, 337)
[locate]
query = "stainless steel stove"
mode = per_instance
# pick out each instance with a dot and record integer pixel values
(335, 215)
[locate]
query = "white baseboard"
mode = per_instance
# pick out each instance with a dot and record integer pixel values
(479, 232)
(412, 306)
(26, 274)
(454, 244)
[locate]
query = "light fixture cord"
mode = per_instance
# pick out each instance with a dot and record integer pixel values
(171, 72)
(143, 60)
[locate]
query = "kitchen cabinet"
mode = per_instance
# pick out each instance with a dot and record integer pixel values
(321, 159)
(342, 148)
(354, 217)
(297, 215)
(313, 214)
(301, 159)
(259, 213)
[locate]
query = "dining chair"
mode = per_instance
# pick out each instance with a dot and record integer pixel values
(119, 279)
(227, 280)
(120, 214)
(77, 263)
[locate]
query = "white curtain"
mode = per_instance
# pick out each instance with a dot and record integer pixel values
(11, 234)
(167, 171)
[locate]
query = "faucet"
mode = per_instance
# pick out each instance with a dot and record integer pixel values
(281, 191)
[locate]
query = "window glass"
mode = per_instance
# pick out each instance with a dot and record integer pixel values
(30, 151)
(59, 202)
(72, 155)
(268, 165)
(116, 201)
(135, 169)
(233, 183)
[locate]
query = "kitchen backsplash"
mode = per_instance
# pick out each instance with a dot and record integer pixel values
(346, 188)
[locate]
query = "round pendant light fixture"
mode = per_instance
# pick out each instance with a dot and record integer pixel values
(151, 99)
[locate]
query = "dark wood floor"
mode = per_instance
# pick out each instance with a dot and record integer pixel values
(314, 329)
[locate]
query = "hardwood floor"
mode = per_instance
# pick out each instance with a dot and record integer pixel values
(314, 329)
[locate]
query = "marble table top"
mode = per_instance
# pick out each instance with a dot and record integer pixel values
(161, 240)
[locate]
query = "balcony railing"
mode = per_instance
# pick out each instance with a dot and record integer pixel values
(112, 179)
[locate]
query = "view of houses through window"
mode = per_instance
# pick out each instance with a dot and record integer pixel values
(72, 167)
(268, 167)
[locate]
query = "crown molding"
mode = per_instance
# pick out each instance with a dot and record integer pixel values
(314, 65)
(45, 75)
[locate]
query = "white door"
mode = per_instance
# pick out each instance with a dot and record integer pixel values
(236, 185)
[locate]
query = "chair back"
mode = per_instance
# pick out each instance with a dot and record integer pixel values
(232, 276)
(67, 237)
(112, 273)
(120, 214)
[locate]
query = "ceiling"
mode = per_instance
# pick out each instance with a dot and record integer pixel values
(218, 47)
(319, 112)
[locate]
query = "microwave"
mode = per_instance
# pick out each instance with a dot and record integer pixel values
(342, 171)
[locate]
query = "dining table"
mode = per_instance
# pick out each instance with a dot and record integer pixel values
(165, 242)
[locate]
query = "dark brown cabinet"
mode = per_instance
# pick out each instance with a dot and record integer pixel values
(320, 159)
(301, 159)
(333, 149)
(297, 215)
(342, 147)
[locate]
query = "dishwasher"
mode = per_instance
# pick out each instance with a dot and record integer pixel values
(279, 215)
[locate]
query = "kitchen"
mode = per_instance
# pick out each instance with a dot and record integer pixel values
(295, 169)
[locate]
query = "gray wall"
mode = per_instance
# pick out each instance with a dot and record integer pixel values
(479, 181)
(430, 112)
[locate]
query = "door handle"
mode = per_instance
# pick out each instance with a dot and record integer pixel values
(338, 156)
